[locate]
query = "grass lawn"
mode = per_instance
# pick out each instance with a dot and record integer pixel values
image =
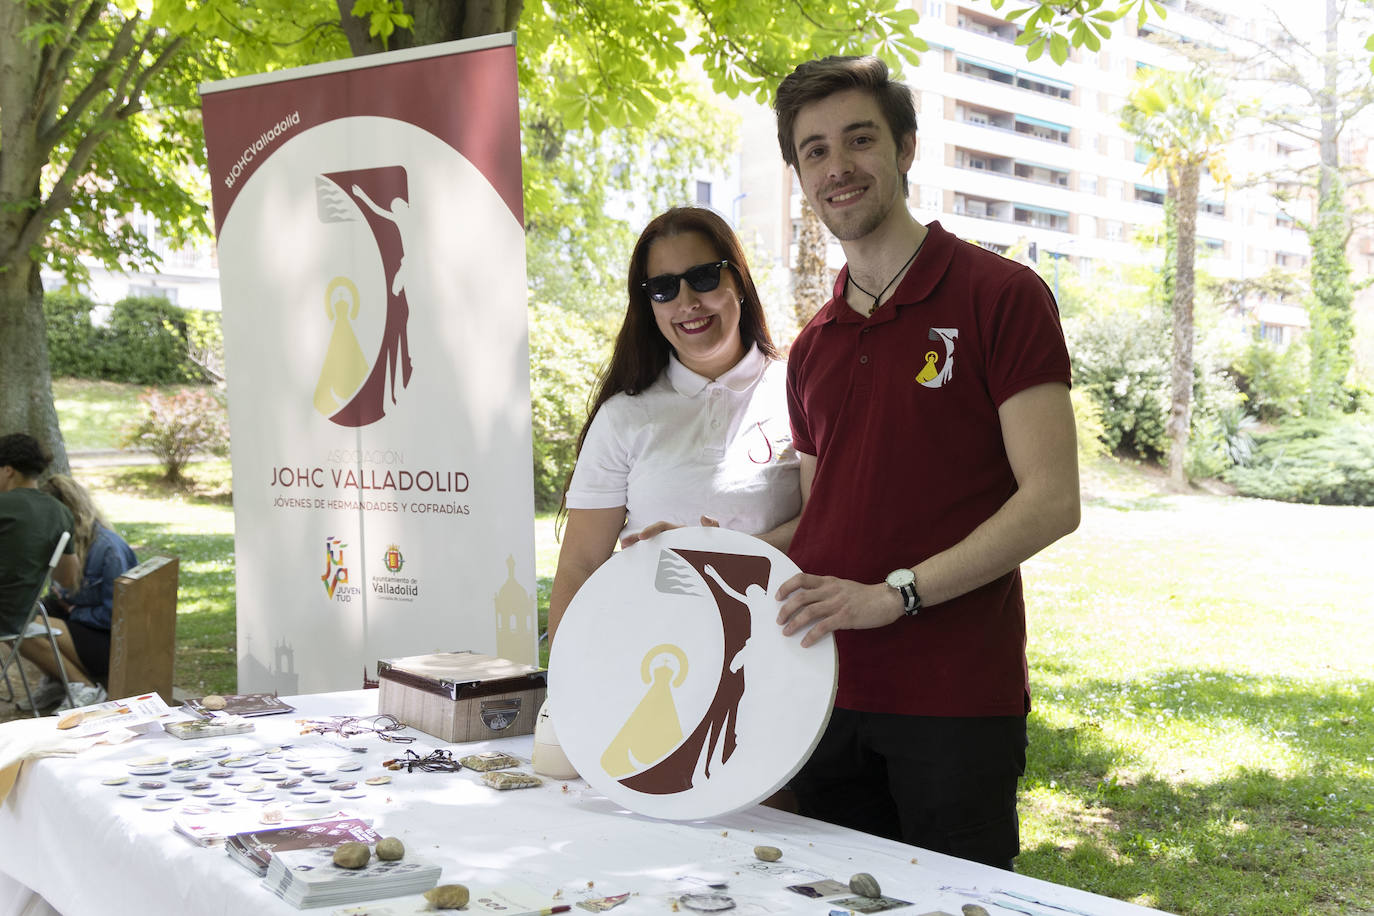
(1203, 732)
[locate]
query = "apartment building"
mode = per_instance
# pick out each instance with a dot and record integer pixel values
(1030, 157)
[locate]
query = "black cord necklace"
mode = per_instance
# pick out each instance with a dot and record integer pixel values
(874, 307)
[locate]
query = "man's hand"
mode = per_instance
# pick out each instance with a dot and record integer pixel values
(826, 604)
(659, 528)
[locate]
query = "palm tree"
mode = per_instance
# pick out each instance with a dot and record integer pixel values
(1184, 121)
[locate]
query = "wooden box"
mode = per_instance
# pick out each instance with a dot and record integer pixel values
(462, 696)
(143, 630)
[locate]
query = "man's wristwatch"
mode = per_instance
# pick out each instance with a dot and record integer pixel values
(904, 581)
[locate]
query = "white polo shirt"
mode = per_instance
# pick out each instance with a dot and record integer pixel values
(687, 446)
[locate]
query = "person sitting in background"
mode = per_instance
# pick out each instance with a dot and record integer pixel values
(690, 415)
(87, 608)
(31, 523)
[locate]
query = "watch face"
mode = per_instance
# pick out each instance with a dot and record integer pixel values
(899, 577)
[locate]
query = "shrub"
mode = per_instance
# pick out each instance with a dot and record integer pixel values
(73, 345)
(1273, 381)
(1219, 435)
(176, 427)
(565, 357)
(145, 343)
(1122, 361)
(1312, 461)
(1087, 418)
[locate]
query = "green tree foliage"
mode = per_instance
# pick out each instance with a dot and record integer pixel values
(99, 114)
(1315, 90)
(1183, 119)
(1332, 328)
(566, 355)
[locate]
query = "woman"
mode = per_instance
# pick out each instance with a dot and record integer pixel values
(87, 610)
(690, 418)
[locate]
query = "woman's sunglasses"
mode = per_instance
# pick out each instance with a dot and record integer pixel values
(703, 278)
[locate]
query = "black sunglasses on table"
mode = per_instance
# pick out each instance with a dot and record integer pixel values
(703, 278)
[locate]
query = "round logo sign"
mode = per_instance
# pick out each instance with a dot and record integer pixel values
(674, 691)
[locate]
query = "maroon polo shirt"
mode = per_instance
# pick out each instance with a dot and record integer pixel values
(900, 410)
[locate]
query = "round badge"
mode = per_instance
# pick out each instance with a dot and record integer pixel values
(707, 903)
(676, 694)
(149, 769)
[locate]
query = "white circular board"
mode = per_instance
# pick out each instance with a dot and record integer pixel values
(673, 689)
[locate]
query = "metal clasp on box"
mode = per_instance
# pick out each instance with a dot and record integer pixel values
(500, 713)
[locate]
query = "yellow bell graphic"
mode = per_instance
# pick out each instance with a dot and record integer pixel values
(929, 372)
(653, 729)
(345, 366)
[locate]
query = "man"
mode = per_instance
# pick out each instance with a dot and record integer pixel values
(31, 523)
(930, 404)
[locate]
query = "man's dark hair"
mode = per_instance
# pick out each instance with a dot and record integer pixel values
(24, 453)
(816, 79)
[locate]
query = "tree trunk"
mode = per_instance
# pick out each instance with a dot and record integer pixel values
(810, 276)
(25, 379)
(435, 21)
(1183, 189)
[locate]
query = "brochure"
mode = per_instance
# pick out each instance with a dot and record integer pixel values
(253, 849)
(309, 877)
(245, 705)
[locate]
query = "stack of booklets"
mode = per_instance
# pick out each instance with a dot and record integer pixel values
(244, 705)
(254, 849)
(309, 877)
(208, 728)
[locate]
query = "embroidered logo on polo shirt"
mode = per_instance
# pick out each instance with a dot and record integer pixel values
(765, 447)
(935, 373)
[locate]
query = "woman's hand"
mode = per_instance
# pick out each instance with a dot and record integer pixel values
(659, 527)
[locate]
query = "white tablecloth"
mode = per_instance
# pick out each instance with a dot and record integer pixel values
(560, 839)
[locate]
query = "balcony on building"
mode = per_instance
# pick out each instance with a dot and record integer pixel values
(1010, 76)
(1148, 195)
(978, 161)
(989, 26)
(982, 208)
(1025, 125)
(1040, 218)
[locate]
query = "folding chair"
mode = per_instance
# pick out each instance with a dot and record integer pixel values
(32, 629)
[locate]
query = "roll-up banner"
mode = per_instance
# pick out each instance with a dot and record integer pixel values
(372, 268)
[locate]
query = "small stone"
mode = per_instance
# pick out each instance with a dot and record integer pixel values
(212, 701)
(973, 909)
(448, 897)
(71, 719)
(865, 885)
(389, 849)
(352, 855)
(767, 853)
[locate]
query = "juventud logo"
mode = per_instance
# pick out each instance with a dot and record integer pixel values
(354, 390)
(678, 696)
(335, 572)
